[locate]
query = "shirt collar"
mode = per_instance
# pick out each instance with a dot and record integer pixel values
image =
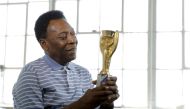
(53, 64)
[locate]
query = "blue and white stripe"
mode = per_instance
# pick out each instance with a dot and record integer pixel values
(44, 82)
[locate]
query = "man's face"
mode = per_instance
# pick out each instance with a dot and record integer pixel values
(61, 42)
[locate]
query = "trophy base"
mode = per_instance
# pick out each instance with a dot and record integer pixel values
(101, 79)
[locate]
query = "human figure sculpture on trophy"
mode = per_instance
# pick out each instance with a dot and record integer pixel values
(108, 45)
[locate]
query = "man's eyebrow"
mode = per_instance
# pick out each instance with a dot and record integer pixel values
(63, 32)
(67, 31)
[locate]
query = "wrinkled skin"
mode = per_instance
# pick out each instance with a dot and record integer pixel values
(61, 42)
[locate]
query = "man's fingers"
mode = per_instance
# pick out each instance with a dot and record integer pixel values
(103, 93)
(110, 83)
(102, 90)
(94, 82)
(113, 97)
(112, 78)
(114, 89)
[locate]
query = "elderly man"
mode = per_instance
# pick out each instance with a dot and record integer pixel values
(53, 81)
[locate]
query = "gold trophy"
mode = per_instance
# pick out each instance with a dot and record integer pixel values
(108, 45)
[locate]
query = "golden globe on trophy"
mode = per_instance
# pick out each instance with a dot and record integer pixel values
(108, 45)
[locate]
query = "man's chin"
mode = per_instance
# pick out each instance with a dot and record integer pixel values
(71, 58)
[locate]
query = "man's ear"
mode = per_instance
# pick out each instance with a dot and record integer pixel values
(44, 44)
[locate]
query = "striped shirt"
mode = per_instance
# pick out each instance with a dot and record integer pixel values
(44, 82)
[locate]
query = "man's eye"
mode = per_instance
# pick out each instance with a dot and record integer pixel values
(63, 35)
(72, 33)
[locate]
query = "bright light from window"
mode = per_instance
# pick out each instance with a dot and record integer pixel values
(186, 94)
(16, 23)
(169, 51)
(69, 8)
(14, 51)
(187, 49)
(135, 51)
(135, 88)
(3, 1)
(135, 15)
(2, 48)
(10, 76)
(33, 47)
(187, 15)
(35, 9)
(110, 14)
(16, 1)
(3, 21)
(169, 85)
(89, 18)
(130, 60)
(88, 50)
(169, 15)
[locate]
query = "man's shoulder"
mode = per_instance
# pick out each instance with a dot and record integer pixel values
(38, 64)
(76, 66)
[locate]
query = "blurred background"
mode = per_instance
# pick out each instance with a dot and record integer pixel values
(152, 60)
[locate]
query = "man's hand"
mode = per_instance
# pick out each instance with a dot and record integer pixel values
(102, 96)
(95, 97)
(111, 85)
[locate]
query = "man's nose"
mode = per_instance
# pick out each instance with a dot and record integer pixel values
(72, 38)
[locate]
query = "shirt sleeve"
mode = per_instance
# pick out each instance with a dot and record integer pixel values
(26, 92)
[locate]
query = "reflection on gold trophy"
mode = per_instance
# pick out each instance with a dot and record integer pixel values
(108, 45)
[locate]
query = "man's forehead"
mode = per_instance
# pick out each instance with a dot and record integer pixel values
(59, 24)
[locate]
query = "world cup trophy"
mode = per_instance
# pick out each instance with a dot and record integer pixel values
(108, 45)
